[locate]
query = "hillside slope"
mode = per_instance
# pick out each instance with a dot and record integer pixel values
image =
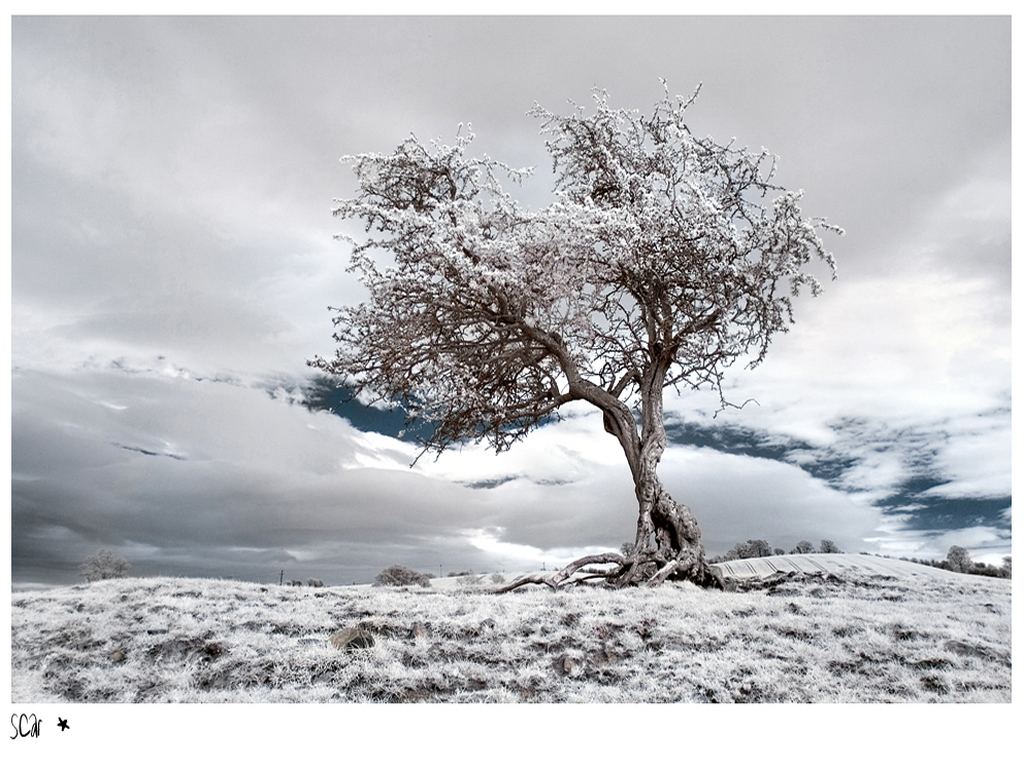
(842, 636)
(831, 563)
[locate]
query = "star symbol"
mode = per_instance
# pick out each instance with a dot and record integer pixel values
(62, 724)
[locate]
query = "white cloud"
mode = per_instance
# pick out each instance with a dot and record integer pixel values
(738, 497)
(906, 374)
(985, 544)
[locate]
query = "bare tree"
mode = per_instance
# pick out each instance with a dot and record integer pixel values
(828, 547)
(662, 262)
(103, 564)
(802, 548)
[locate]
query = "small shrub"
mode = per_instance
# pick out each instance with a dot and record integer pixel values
(400, 576)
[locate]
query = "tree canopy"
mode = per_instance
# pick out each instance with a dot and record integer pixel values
(103, 564)
(663, 259)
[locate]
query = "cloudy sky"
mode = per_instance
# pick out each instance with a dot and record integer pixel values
(173, 261)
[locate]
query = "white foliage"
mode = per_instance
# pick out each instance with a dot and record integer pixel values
(660, 257)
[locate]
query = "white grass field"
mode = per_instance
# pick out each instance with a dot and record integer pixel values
(850, 629)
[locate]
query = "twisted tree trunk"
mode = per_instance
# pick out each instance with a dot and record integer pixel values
(667, 544)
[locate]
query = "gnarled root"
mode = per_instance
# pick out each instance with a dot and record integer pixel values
(643, 569)
(556, 580)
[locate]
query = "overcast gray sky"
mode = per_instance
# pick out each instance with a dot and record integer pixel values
(173, 262)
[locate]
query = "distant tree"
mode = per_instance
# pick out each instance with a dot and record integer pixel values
(661, 263)
(1006, 569)
(958, 559)
(803, 548)
(984, 569)
(828, 547)
(760, 548)
(104, 564)
(400, 576)
(779, 551)
(749, 549)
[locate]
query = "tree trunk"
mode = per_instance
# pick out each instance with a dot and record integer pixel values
(667, 545)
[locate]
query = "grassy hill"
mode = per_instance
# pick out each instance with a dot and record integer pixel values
(837, 633)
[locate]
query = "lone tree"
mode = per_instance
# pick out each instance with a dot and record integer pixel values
(664, 259)
(103, 564)
(958, 559)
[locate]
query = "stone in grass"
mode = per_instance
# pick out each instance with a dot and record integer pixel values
(118, 656)
(570, 665)
(965, 649)
(352, 638)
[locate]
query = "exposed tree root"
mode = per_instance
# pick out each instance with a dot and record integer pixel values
(558, 579)
(643, 570)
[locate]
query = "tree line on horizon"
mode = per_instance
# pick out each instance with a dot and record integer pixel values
(760, 548)
(958, 560)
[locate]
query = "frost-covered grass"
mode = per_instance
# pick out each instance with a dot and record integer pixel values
(841, 637)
